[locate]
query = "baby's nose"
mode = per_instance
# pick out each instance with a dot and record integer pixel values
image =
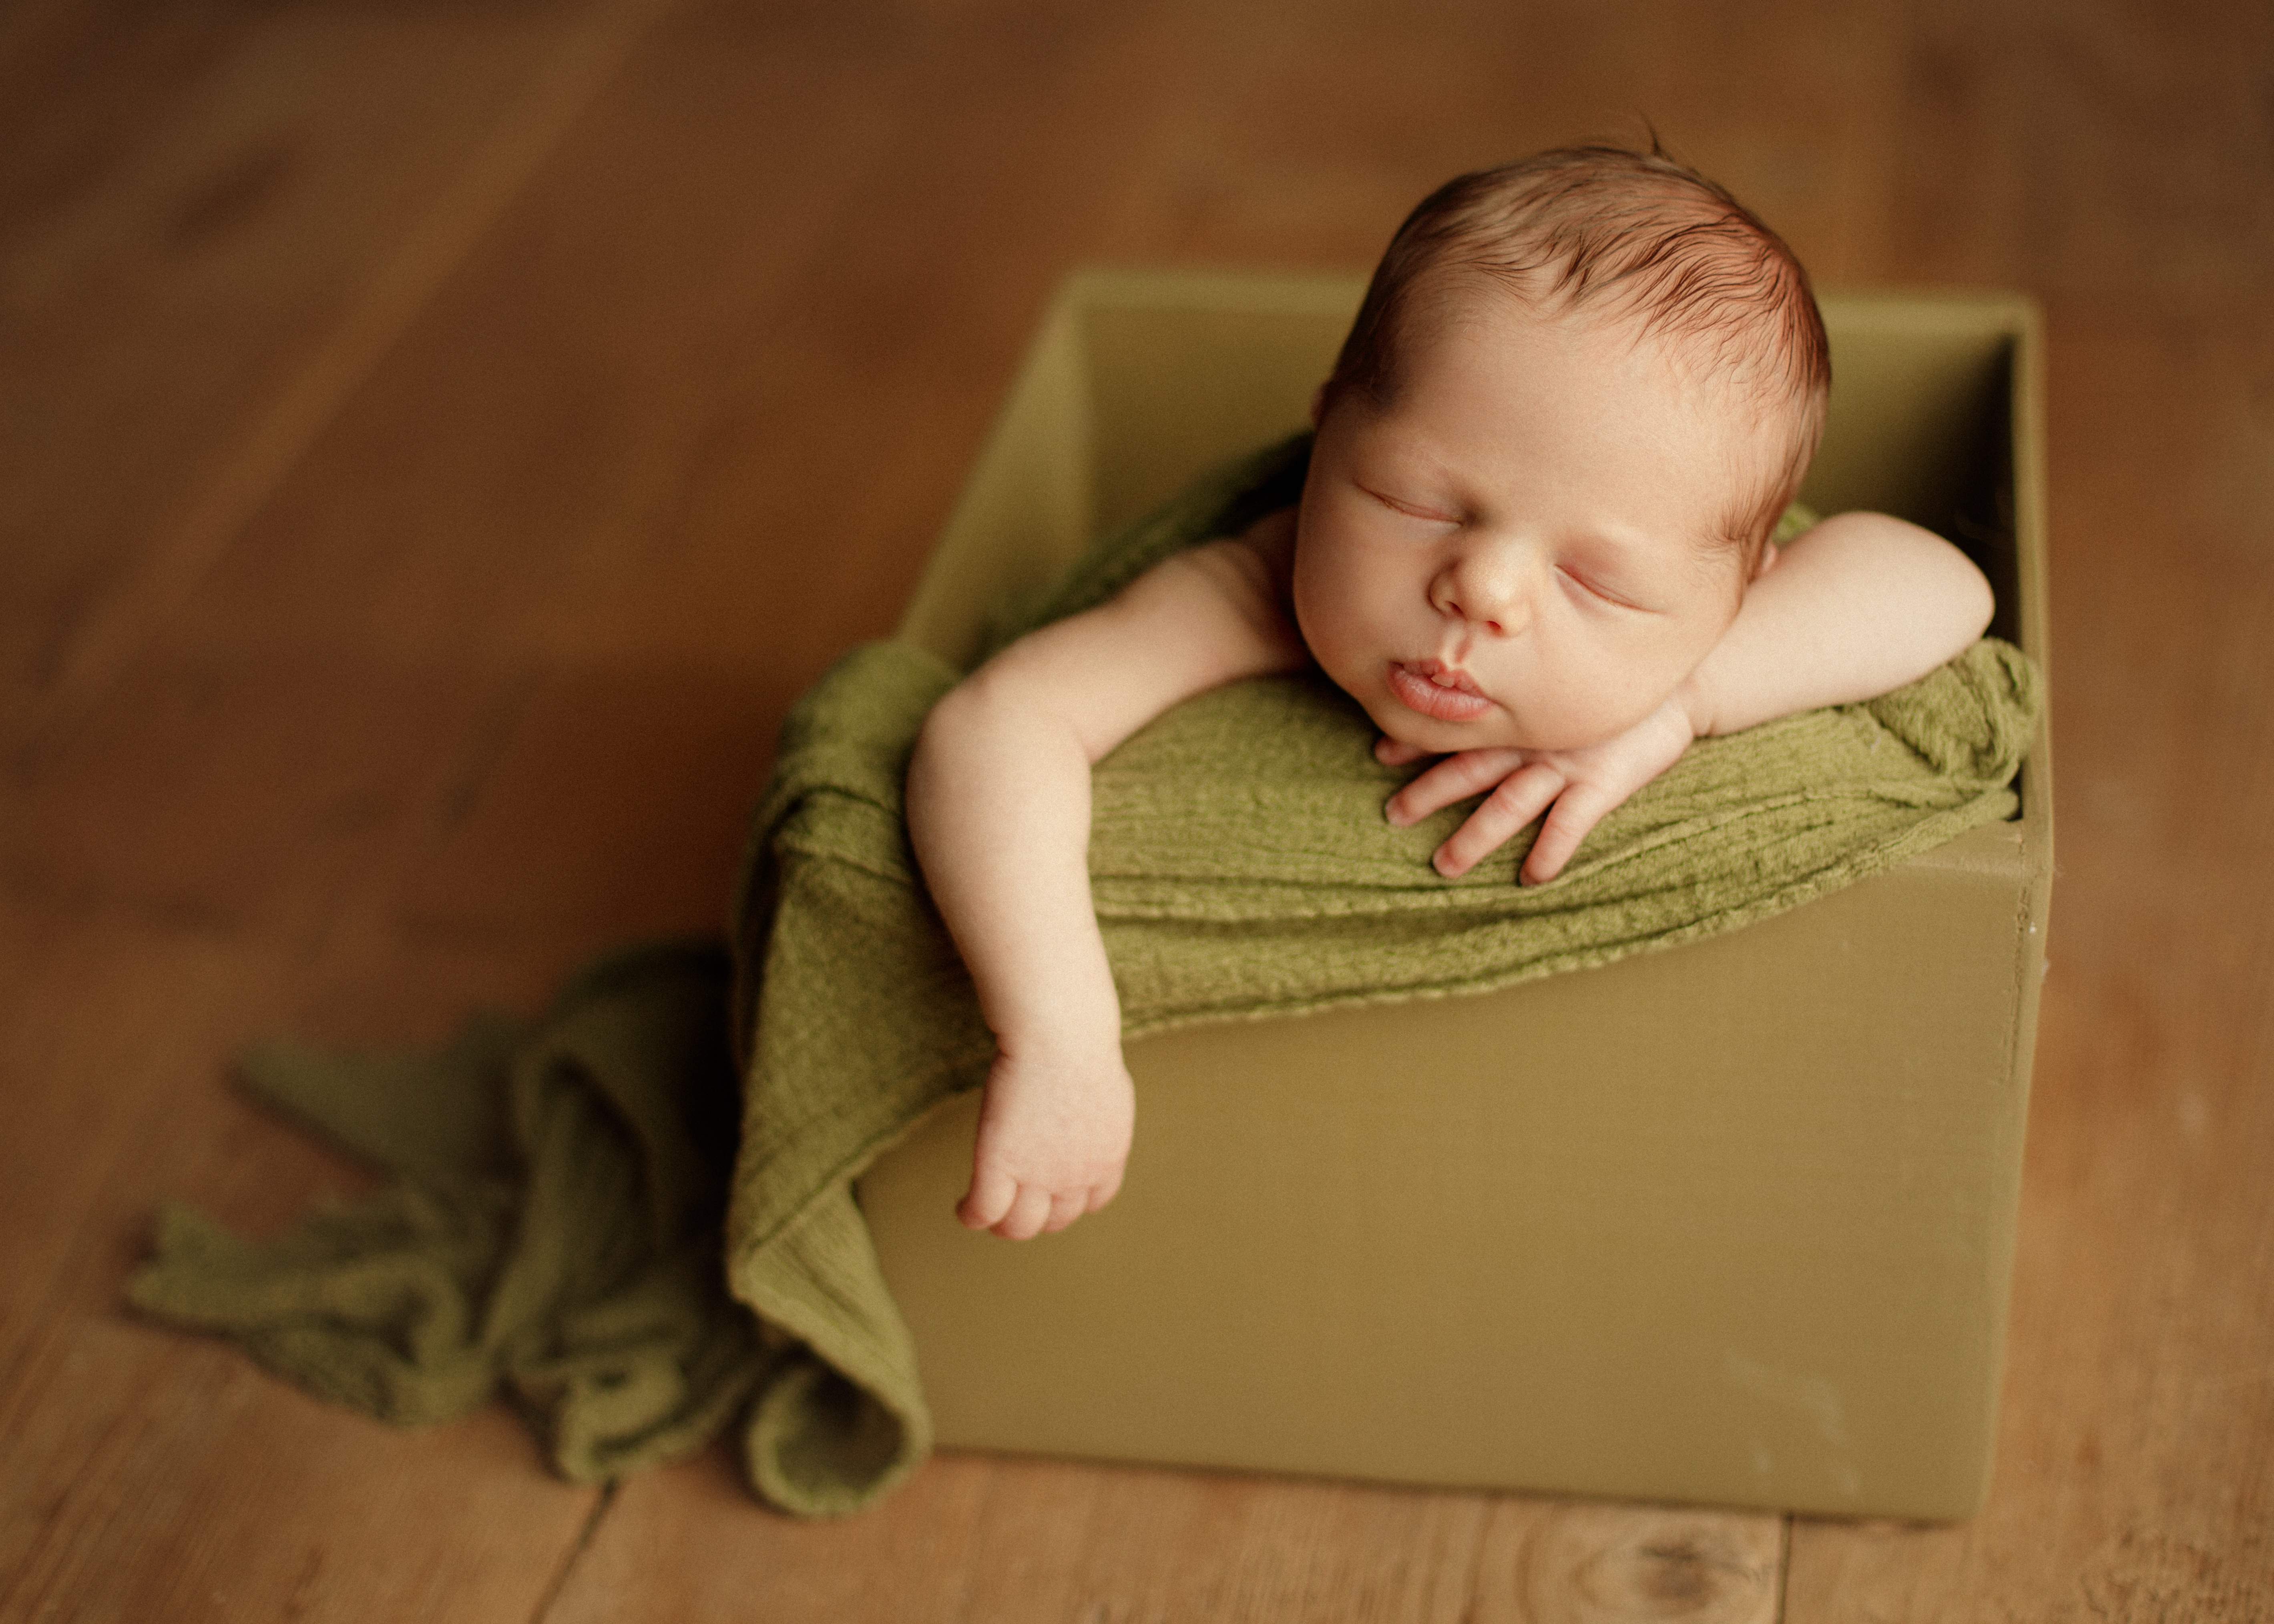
(1491, 588)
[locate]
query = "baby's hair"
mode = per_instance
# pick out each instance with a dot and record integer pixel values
(1645, 239)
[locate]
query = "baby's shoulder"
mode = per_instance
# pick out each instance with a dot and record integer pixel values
(1261, 559)
(1250, 573)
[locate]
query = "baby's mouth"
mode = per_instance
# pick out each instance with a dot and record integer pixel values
(1437, 691)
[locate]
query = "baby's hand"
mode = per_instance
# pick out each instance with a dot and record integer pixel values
(1575, 788)
(1053, 1137)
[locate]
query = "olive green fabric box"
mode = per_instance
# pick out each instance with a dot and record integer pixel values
(1732, 1223)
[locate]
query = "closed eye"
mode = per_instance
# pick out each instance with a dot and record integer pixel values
(1600, 590)
(1412, 510)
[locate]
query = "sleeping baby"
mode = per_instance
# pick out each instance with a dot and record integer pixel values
(1533, 543)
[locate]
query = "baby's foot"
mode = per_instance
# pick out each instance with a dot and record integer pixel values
(1052, 1139)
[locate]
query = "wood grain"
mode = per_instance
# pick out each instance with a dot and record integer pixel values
(228, 215)
(441, 441)
(975, 1537)
(2136, 1467)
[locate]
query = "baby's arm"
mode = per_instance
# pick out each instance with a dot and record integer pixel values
(998, 809)
(1854, 608)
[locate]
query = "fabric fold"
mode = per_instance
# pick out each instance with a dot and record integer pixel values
(1241, 867)
(563, 1226)
(551, 1232)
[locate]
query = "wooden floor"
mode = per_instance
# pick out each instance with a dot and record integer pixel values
(437, 440)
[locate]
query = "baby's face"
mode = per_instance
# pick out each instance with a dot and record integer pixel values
(1518, 551)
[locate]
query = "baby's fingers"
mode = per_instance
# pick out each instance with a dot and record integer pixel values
(1576, 812)
(1029, 1215)
(1507, 810)
(1393, 753)
(989, 1197)
(1457, 778)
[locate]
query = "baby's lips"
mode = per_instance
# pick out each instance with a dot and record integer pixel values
(1413, 689)
(1439, 673)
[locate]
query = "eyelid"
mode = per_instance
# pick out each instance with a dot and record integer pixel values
(1588, 584)
(1408, 509)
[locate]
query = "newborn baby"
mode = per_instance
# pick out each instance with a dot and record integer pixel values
(1533, 542)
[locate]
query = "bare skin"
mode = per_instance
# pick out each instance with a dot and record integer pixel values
(1511, 568)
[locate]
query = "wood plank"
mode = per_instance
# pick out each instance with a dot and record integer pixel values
(224, 216)
(725, 437)
(977, 1537)
(666, 536)
(229, 819)
(95, 1060)
(521, 404)
(154, 1475)
(592, 448)
(1323, 127)
(1581, 1563)
(615, 810)
(689, 1542)
(2136, 1466)
(242, 796)
(2113, 156)
(2117, 168)
(190, 1485)
(212, 221)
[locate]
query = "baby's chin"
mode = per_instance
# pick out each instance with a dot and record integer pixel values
(1497, 732)
(1436, 737)
(1502, 728)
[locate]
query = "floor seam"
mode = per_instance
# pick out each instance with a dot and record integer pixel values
(576, 1554)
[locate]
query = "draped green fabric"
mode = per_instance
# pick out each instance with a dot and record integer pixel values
(1240, 866)
(554, 1230)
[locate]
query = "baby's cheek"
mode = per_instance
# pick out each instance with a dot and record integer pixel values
(1325, 632)
(1350, 675)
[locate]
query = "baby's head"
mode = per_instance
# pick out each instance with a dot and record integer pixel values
(1579, 393)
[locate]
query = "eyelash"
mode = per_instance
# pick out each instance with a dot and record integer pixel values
(1583, 582)
(1406, 510)
(1594, 590)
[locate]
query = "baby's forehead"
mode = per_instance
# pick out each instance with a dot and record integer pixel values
(1679, 454)
(1443, 331)
(1480, 308)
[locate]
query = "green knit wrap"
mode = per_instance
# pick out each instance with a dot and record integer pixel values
(1241, 866)
(555, 1225)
